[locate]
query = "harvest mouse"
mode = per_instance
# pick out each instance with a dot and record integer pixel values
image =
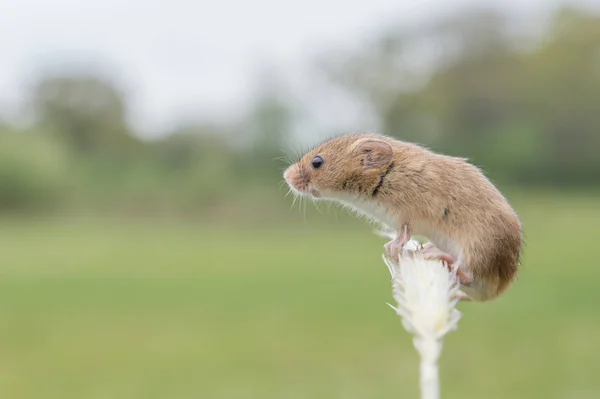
(411, 190)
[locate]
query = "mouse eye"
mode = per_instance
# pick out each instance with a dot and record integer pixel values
(317, 162)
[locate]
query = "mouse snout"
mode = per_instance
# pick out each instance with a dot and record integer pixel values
(295, 178)
(287, 174)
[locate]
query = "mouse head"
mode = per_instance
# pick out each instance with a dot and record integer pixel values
(347, 165)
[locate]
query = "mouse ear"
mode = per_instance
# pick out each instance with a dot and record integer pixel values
(375, 154)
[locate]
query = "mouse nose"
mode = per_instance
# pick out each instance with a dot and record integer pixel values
(287, 174)
(295, 178)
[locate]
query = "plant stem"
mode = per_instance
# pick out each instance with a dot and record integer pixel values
(429, 378)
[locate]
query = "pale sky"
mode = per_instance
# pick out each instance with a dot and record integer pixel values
(192, 59)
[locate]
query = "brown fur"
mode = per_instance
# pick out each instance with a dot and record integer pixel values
(442, 198)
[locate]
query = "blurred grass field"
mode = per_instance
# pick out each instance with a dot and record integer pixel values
(101, 309)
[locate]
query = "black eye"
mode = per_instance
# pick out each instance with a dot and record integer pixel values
(317, 162)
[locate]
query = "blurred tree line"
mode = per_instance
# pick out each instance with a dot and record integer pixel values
(528, 112)
(82, 154)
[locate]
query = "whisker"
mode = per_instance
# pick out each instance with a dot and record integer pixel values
(335, 213)
(287, 157)
(304, 211)
(294, 201)
(316, 203)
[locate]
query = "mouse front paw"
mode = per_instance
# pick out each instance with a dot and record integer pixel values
(394, 248)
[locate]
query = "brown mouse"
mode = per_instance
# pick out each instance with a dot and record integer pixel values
(410, 189)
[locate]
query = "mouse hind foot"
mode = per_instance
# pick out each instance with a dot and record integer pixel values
(431, 252)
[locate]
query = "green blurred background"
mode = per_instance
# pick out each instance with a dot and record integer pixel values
(176, 267)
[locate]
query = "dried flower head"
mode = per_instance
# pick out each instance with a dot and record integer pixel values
(426, 293)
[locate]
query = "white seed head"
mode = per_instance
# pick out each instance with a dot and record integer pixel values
(426, 293)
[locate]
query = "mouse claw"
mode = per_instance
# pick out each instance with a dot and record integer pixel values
(431, 252)
(393, 250)
(388, 250)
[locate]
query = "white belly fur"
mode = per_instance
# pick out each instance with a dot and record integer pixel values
(378, 214)
(373, 212)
